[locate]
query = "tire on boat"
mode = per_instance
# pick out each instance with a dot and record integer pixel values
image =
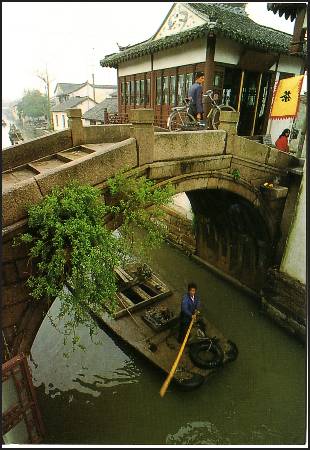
(197, 348)
(232, 352)
(189, 384)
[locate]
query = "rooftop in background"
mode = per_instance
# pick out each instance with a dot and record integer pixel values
(289, 10)
(97, 112)
(68, 88)
(71, 103)
(230, 20)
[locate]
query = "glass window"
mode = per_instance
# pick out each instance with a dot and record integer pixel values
(158, 91)
(165, 89)
(218, 79)
(172, 90)
(137, 98)
(123, 86)
(148, 91)
(127, 92)
(132, 92)
(142, 95)
(189, 82)
(181, 89)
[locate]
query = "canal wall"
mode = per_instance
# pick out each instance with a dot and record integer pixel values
(284, 293)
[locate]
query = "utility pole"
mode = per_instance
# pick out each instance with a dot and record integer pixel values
(94, 90)
(46, 80)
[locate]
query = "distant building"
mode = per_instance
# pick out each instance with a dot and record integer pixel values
(97, 92)
(60, 118)
(95, 115)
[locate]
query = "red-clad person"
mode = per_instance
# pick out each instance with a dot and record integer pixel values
(282, 141)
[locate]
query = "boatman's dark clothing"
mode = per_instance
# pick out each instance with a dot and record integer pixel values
(188, 308)
(195, 94)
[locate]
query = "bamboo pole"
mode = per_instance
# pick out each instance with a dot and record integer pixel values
(240, 91)
(256, 102)
(176, 362)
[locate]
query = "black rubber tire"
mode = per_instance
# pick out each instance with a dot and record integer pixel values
(193, 383)
(232, 353)
(204, 345)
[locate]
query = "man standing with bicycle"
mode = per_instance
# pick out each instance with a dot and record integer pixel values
(195, 96)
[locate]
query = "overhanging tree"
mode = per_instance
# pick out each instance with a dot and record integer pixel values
(73, 254)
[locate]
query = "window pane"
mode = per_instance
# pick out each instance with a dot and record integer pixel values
(165, 90)
(127, 93)
(137, 98)
(142, 96)
(132, 92)
(123, 92)
(180, 89)
(148, 91)
(218, 80)
(158, 91)
(189, 82)
(172, 90)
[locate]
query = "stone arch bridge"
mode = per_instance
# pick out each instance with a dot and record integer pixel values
(240, 226)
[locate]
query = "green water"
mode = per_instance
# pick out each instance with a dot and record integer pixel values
(109, 394)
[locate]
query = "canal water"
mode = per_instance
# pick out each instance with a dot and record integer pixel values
(28, 132)
(110, 395)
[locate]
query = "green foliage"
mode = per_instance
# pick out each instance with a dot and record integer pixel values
(33, 104)
(139, 210)
(236, 174)
(74, 254)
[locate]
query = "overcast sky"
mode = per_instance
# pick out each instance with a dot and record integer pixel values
(71, 38)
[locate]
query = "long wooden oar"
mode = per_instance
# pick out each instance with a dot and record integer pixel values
(176, 362)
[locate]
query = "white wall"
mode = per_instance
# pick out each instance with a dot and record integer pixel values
(289, 64)
(189, 53)
(139, 65)
(294, 259)
(227, 51)
(84, 106)
(60, 126)
(87, 91)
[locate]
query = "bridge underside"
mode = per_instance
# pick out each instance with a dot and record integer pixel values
(231, 235)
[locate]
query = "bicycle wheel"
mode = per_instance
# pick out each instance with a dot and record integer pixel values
(215, 118)
(179, 120)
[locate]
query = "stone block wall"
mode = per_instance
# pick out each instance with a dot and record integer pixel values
(180, 230)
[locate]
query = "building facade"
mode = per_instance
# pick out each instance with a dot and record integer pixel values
(241, 61)
(97, 92)
(60, 118)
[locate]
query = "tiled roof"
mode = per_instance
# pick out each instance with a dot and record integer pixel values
(289, 10)
(231, 22)
(97, 112)
(70, 103)
(68, 88)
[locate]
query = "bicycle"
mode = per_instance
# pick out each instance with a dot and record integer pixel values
(180, 119)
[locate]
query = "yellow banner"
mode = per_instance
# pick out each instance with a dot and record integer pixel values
(286, 98)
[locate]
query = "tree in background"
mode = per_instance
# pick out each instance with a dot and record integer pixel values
(33, 105)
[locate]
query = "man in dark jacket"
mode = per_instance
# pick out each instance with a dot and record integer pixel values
(195, 95)
(189, 306)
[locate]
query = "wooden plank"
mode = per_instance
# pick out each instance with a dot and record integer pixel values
(138, 290)
(143, 304)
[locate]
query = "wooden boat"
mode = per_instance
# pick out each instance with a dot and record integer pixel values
(147, 318)
(15, 135)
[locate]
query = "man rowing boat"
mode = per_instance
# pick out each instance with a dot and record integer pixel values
(189, 306)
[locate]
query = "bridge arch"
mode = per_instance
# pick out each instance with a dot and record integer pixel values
(234, 229)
